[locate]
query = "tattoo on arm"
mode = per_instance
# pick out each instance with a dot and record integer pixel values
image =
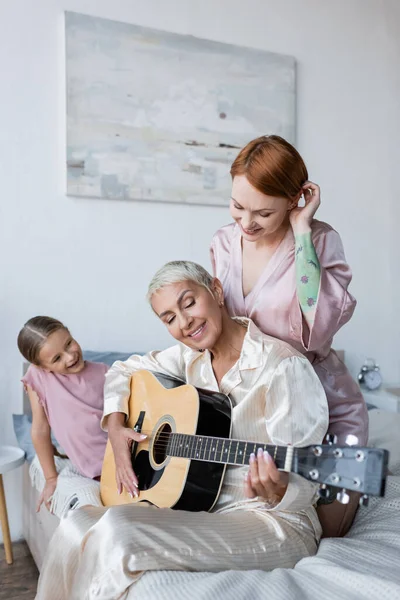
(308, 276)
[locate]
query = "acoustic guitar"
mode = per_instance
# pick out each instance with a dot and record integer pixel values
(181, 463)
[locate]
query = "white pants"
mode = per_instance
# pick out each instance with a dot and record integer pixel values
(97, 553)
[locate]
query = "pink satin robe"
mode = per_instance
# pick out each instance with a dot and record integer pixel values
(273, 306)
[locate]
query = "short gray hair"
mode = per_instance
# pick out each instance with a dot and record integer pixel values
(177, 271)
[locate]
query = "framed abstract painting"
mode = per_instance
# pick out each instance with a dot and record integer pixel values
(157, 116)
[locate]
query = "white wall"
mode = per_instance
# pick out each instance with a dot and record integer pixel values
(88, 262)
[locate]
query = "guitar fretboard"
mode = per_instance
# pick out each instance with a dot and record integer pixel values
(222, 450)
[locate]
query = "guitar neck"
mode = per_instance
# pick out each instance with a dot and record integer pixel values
(226, 451)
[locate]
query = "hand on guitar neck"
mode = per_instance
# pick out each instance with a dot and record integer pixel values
(122, 438)
(264, 479)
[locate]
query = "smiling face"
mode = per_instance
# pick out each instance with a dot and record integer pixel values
(61, 354)
(257, 214)
(191, 313)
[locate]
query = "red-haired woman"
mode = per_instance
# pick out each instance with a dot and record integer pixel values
(288, 273)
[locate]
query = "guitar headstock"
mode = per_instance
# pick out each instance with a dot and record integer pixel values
(349, 468)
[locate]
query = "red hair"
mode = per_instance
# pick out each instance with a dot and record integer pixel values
(272, 166)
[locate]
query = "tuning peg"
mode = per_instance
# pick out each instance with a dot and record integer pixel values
(364, 500)
(343, 497)
(351, 440)
(324, 491)
(330, 438)
(314, 474)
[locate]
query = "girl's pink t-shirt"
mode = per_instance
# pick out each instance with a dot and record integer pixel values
(74, 407)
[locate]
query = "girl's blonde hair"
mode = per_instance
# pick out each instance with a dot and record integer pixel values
(33, 336)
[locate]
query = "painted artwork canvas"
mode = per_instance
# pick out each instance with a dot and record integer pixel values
(156, 116)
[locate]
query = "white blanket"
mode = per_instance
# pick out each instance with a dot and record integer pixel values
(73, 490)
(365, 565)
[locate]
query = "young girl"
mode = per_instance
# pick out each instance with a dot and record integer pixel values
(66, 394)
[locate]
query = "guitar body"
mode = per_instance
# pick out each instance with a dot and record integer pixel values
(160, 405)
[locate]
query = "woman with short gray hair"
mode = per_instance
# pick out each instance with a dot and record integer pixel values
(264, 518)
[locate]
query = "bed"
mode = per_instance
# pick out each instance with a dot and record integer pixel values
(365, 565)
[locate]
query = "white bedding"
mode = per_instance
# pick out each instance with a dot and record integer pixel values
(365, 565)
(73, 489)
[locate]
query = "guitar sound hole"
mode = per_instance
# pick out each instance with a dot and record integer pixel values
(161, 443)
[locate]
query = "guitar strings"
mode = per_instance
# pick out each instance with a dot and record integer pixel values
(279, 453)
(164, 438)
(162, 444)
(161, 440)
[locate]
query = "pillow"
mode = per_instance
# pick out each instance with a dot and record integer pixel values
(107, 357)
(22, 429)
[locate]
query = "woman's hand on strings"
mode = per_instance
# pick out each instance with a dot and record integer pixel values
(121, 439)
